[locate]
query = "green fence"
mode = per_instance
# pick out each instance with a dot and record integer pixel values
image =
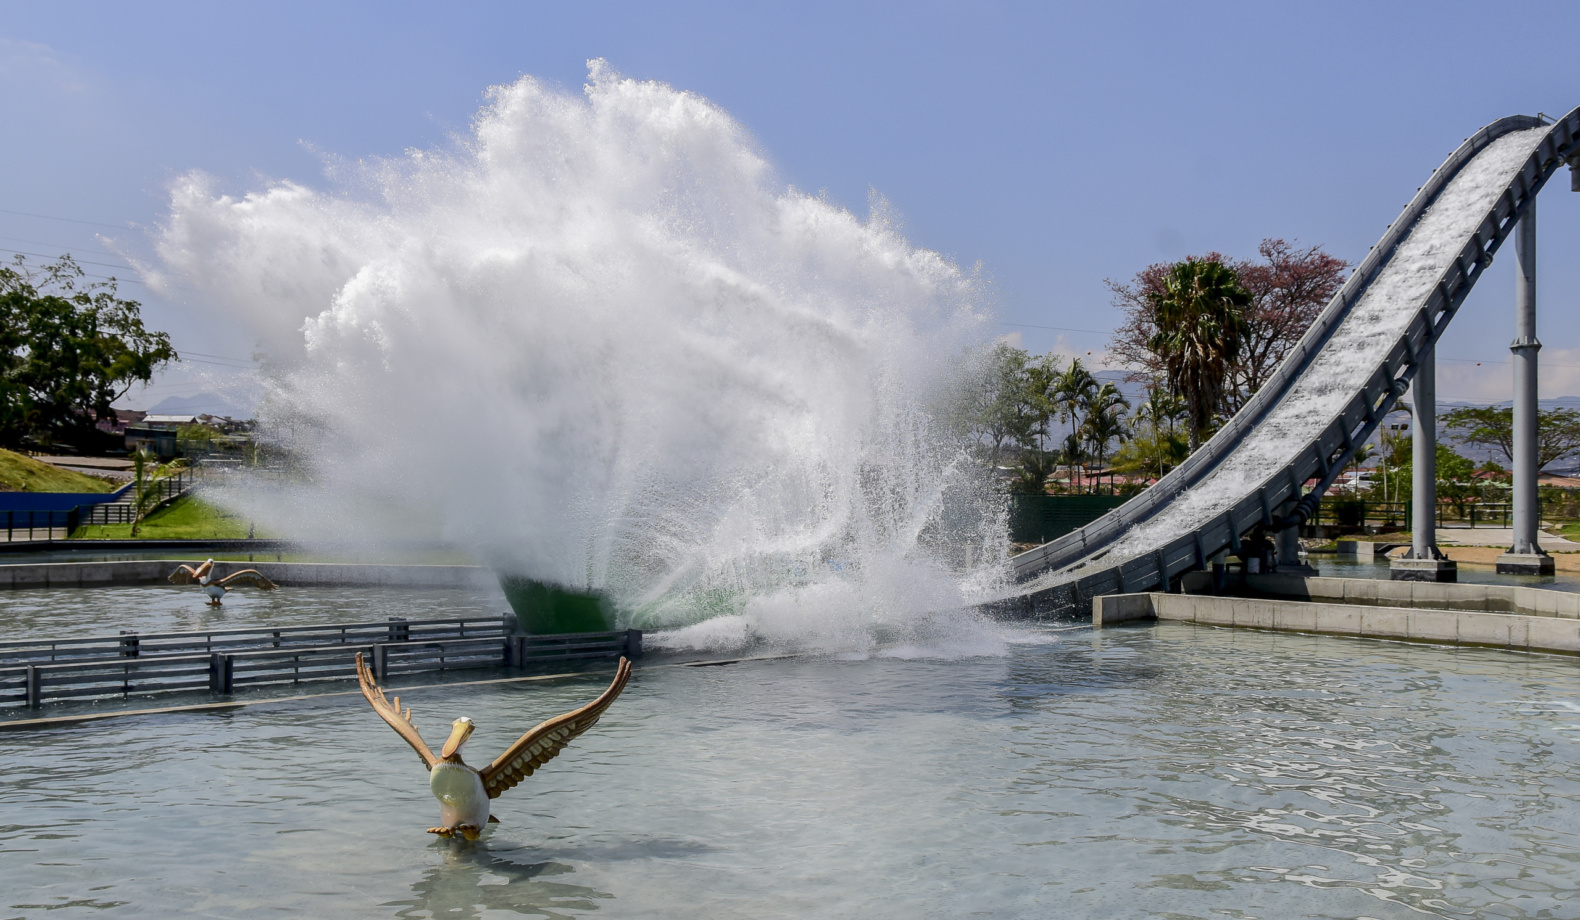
(1040, 518)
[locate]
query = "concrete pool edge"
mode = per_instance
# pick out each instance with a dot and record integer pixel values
(1508, 631)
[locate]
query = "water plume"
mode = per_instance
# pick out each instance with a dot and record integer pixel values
(598, 343)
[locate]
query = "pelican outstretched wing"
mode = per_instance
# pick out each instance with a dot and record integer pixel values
(391, 713)
(539, 746)
(183, 575)
(247, 577)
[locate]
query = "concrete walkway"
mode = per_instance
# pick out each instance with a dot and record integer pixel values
(1500, 536)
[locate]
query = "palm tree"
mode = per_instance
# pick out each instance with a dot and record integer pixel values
(1042, 379)
(1163, 410)
(1105, 420)
(1362, 454)
(1200, 318)
(1072, 391)
(148, 484)
(1161, 413)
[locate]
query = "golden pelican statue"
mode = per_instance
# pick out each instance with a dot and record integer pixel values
(463, 791)
(216, 587)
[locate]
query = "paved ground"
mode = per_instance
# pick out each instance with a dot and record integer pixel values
(1499, 536)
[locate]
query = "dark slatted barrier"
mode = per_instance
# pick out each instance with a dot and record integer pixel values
(35, 671)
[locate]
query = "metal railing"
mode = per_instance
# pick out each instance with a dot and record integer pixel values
(34, 671)
(164, 492)
(50, 526)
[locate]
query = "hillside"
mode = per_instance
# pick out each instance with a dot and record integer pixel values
(20, 473)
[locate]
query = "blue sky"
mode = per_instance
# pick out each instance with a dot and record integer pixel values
(1057, 144)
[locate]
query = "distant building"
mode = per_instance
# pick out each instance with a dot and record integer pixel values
(161, 442)
(168, 422)
(122, 419)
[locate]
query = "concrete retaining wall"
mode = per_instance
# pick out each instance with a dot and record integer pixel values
(1438, 596)
(1538, 633)
(293, 574)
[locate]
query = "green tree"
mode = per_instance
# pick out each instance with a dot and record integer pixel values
(997, 411)
(1362, 454)
(1456, 476)
(1200, 317)
(1152, 452)
(1162, 410)
(1156, 445)
(68, 349)
(148, 477)
(1492, 427)
(1072, 392)
(1105, 421)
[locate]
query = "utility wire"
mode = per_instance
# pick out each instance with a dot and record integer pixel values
(1056, 328)
(62, 246)
(64, 220)
(74, 259)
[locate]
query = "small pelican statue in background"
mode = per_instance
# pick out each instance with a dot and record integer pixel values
(464, 792)
(216, 587)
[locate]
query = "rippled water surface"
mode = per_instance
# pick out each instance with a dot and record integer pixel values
(1168, 771)
(42, 612)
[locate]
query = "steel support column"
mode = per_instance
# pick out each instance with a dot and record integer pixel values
(1525, 556)
(1424, 562)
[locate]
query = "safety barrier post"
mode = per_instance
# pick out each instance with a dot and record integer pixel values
(221, 673)
(35, 687)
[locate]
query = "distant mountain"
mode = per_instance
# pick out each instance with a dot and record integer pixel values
(1557, 402)
(201, 404)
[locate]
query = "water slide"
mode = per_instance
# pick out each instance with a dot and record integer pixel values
(1329, 395)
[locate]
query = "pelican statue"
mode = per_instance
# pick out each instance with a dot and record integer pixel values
(216, 587)
(463, 791)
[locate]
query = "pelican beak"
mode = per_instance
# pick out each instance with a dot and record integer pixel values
(460, 730)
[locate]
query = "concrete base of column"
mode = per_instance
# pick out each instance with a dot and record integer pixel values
(1300, 568)
(1537, 563)
(1423, 570)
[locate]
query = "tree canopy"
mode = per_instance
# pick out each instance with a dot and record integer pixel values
(68, 349)
(1288, 286)
(1199, 314)
(1492, 427)
(1019, 400)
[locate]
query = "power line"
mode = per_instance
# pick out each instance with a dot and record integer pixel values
(1056, 328)
(63, 246)
(78, 261)
(64, 220)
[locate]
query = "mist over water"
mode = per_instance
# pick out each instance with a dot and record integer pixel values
(598, 343)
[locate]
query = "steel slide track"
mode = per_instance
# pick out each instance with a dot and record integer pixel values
(1330, 393)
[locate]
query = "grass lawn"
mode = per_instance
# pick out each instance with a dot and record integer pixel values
(21, 473)
(188, 518)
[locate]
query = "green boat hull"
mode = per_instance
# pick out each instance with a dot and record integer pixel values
(546, 610)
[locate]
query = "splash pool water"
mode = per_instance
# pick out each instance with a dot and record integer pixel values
(1167, 770)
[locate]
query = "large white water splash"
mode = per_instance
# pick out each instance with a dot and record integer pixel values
(600, 344)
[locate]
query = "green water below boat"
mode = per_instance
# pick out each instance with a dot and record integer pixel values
(545, 610)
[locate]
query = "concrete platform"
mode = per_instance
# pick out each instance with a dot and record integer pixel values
(1436, 570)
(1525, 564)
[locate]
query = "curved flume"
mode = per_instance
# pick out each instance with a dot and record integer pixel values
(1331, 392)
